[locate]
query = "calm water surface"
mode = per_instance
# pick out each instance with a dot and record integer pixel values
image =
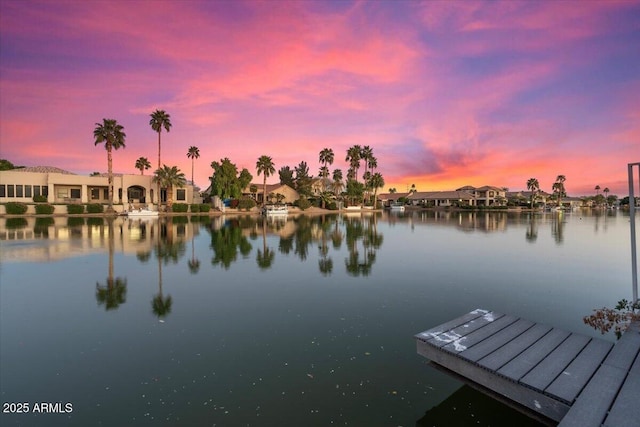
(304, 321)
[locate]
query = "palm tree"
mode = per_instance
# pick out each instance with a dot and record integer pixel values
(606, 193)
(533, 185)
(338, 185)
(558, 188)
(193, 153)
(112, 135)
(265, 166)
(160, 119)
(169, 177)
(353, 157)
(143, 163)
(597, 189)
(326, 158)
(376, 181)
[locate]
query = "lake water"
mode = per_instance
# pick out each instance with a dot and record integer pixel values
(305, 321)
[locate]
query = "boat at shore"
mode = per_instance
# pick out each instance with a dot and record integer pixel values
(275, 210)
(141, 213)
(398, 207)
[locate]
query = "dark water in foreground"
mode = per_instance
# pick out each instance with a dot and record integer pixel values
(309, 321)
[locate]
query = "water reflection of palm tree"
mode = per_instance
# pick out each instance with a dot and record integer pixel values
(557, 227)
(114, 292)
(265, 256)
(194, 263)
(532, 229)
(325, 263)
(371, 241)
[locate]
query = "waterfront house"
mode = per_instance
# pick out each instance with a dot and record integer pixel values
(64, 187)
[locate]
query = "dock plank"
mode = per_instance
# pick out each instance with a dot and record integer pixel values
(479, 335)
(451, 324)
(456, 334)
(592, 404)
(506, 353)
(575, 376)
(497, 340)
(625, 411)
(551, 366)
(529, 358)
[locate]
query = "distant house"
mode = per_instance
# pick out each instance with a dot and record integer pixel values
(525, 196)
(319, 185)
(442, 198)
(60, 186)
(289, 194)
(487, 195)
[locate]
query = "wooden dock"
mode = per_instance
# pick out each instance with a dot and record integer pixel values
(564, 377)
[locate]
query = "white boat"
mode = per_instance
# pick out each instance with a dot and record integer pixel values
(399, 207)
(142, 213)
(275, 210)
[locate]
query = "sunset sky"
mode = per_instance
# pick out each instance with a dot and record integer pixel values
(446, 93)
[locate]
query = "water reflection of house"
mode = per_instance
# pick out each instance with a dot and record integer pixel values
(76, 236)
(60, 186)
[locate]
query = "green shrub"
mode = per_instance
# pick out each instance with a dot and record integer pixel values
(95, 208)
(40, 199)
(246, 204)
(15, 208)
(44, 209)
(332, 206)
(194, 208)
(179, 207)
(205, 207)
(303, 203)
(75, 209)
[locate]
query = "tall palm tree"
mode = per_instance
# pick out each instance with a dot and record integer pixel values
(193, 153)
(169, 177)
(160, 119)
(533, 185)
(376, 181)
(606, 194)
(338, 184)
(353, 157)
(326, 158)
(115, 291)
(112, 135)
(597, 189)
(558, 188)
(265, 166)
(143, 163)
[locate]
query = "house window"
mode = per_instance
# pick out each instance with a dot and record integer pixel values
(491, 193)
(75, 193)
(3, 190)
(27, 191)
(105, 193)
(95, 194)
(45, 191)
(10, 192)
(36, 190)
(181, 194)
(19, 191)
